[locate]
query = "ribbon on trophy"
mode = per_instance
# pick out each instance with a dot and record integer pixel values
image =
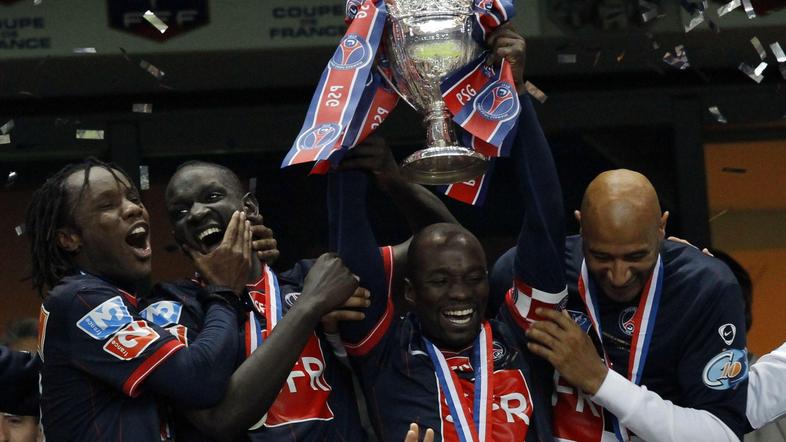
(267, 303)
(355, 95)
(643, 324)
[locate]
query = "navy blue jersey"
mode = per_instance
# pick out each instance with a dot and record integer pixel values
(398, 376)
(317, 401)
(18, 382)
(97, 351)
(698, 339)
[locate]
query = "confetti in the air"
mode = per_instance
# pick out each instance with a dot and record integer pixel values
(566, 58)
(37, 2)
(649, 10)
(7, 127)
(749, 8)
(12, 176)
(777, 51)
(154, 71)
(759, 47)
(84, 50)
(760, 69)
(679, 60)
(5, 139)
(750, 72)
(155, 21)
(535, 92)
(20, 230)
(144, 177)
(89, 134)
(728, 7)
(695, 20)
(142, 108)
(717, 114)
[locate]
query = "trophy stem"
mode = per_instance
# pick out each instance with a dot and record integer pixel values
(444, 160)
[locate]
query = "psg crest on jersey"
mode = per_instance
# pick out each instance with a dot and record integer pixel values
(353, 52)
(726, 369)
(626, 320)
(497, 102)
(319, 137)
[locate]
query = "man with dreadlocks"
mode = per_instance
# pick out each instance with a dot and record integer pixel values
(106, 369)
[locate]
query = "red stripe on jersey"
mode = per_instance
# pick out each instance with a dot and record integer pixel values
(131, 385)
(369, 342)
(510, 301)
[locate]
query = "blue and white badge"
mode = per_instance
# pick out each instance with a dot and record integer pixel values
(163, 313)
(726, 369)
(581, 319)
(104, 320)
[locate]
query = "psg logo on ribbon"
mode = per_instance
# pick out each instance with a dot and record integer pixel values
(353, 52)
(626, 321)
(498, 102)
(319, 137)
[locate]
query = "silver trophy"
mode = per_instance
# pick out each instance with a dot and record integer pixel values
(426, 40)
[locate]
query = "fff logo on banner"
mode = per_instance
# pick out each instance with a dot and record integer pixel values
(180, 16)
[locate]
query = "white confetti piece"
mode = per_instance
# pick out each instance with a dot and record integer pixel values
(7, 127)
(155, 21)
(11, 179)
(760, 69)
(728, 7)
(649, 10)
(535, 92)
(777, 51)
(84, 50)
(717, 114)
(144, 178)
(749, 8)
(142, 108)
(89, 134)
(566, 58)
(696, 20)
(759, 47)
(20, 230)
(750, 72)
(5, 139)
(154, 71)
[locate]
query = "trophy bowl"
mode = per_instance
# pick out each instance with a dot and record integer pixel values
(425, 41)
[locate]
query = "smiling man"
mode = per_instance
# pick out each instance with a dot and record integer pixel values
(106, 369)
(444, 365)
(668, 321)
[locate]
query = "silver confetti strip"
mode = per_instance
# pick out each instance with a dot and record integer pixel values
(154, 71)
(155, 21)
(759, 47)
(84, 50)
(252, 185)
(696, 20)
(144, 178)
(679, 60)
(7, 127)
(142, 108)
(728, 7)
(749, 8)
(749, 71)
(777, 51)
(717, 114)
(760, 69)
(89, 134)
(5, 139)
(650, 10)
(11, 179)
(535, 92)
(566, 58)
(20, 230)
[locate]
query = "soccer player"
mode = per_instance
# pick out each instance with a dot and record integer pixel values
(108, 369)
(444, 366)
(309, 393)
(667, 320)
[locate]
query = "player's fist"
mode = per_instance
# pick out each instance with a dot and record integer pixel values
(374, 157)
(506, 43)
(328, 284)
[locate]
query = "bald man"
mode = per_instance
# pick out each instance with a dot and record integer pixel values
(668, 322)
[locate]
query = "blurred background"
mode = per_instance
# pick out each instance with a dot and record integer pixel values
(655, 86)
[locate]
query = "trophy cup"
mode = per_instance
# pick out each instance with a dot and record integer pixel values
(426, 40)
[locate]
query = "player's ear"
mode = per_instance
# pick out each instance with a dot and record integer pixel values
(68, 239)
(577, 215)
(662, 225)
(409, 292)
(250, 204)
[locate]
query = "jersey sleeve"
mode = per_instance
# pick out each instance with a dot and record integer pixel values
(352, 237)
(538, 263)
(767, 388)
(110, 341)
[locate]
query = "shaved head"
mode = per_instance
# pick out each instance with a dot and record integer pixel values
(622, 227)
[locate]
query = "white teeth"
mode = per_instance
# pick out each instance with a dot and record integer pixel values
(465, 312)
(202, 235)
(138, 230)
(460, 321)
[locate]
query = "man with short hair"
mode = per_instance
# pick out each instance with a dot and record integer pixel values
(654, 343)
(443, 365)
(21, 335)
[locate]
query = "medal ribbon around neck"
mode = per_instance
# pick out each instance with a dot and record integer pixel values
(255, 332)
(643, 324)
(479, 428)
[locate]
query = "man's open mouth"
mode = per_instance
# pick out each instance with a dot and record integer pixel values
(139, 239)
(459, 316)
(210, 237)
